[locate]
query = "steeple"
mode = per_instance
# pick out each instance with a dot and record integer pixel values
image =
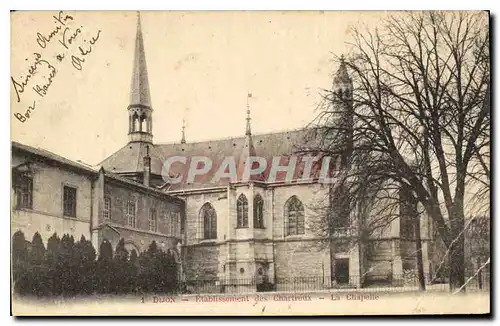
(183, 139)
(249, 149)
(248, 129)
(343, 88)
(342, 82)
(140, 108)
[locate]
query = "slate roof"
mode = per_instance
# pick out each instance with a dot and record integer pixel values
(138, 185)
(44, 155)
(129, 158)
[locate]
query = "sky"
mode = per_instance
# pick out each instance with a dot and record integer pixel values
(201, 66)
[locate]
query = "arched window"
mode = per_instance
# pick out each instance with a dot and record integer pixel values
(242, 211)
(294, 216)
(258, 212)
(209, 218)
(135, 122)
(142, 125)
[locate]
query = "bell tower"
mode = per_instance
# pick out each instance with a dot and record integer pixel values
(342, 90)
(140, 110)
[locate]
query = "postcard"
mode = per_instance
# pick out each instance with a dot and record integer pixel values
(177, 163)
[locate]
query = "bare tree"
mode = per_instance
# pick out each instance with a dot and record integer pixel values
(419, 119)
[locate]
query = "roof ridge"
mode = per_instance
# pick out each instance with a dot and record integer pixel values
(101, 162)
(233, 137)
(46, 153)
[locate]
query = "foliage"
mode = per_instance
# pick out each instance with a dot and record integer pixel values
(69, 268)
(417, 116)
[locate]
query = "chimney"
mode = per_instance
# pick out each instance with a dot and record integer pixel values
(147, 167)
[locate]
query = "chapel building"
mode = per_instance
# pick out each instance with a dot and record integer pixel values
(226, 232)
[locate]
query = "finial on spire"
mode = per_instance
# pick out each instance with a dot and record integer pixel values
(183, 139)
(138, 21)
(248, 129)
(342, 76)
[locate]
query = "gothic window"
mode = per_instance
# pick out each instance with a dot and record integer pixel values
(258, 212)
(141, 122)
(135, 122)
(152, 220)
(131, 214)
(69, 201)
(25, 192)
(174, 223)
(294, 216)
(177, 224)
(107, 208)
(209, 218)
(242, 212)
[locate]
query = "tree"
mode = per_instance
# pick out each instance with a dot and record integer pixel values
(133, 257)
(148, 276)
(51, 260)
(19, 262)
(134, 270)
(123, 281)
(37, 252)
(85, 256)
(19, 248)
(104, 269)
(66, 265)
(38, 269)
(157, 273)
(421, 118)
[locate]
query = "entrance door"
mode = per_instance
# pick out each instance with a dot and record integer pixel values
(342, 271)
(262, 278)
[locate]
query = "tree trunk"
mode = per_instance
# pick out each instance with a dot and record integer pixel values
(420, 263)
(456, 254)
(457, 271)
(480, 274)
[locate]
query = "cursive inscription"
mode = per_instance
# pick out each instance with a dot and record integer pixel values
(85, 50)
(71, 40)
(60, 20)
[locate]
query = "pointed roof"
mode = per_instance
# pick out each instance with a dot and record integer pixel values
(249, 149)
(248, 128)
(183, 139)
(139, 90)
(342, 76)
(130, 159)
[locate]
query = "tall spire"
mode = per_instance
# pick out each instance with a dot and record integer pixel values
(248, 129)
(183, 139)
(140, 109)
(139, 91)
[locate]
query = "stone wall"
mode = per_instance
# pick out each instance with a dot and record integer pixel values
(138, 237)
(165, 209)
(200, 262)
(300, 259)
(46, 215)
(193, 227)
